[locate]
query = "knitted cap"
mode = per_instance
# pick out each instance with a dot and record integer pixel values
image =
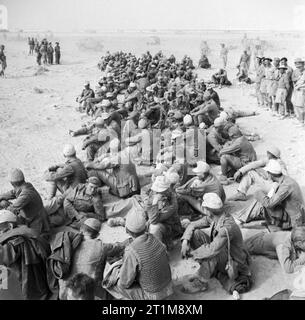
(211, 201)
(95, 181)
(273, 167)
(16, 175)
(69, 150)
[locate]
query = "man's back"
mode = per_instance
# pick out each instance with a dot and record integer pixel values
(154, 273)
(89, 257)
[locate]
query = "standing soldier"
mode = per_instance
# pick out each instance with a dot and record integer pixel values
(282, 91)
(43, 51)
(245, 57)
(3, 64)
(32, 45)
(224, 55)
(50, 52)
(57, 53)
(38, 53)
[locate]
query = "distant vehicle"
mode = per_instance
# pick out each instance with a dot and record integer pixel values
(154, 41)
(91, 44)
(90, 31)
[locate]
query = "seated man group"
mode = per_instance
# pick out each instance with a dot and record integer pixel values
(152, 119)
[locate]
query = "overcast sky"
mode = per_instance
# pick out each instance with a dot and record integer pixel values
(68, 15)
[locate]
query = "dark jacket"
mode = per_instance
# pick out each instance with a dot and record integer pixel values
(29, 205)
(63, 246)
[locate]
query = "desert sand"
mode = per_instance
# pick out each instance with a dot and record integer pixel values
(37, 108)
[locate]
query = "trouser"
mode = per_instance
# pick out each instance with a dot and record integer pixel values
(107, 178)
(158, 230)
(57, 185)
(229, 162)
(300, 111)
(251, 178)
(289, 105)
(193, 202)
(90, 102)
(282, 109)
(91, 150)
(54, 209)
(265, 243)
(224, 61)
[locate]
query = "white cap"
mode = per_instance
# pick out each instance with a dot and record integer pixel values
(105, 103)
(93, 224)
(273, 167)
(202, 125)
(274, 151)
(172, 177)
(149, 89)
(187, 120)
(211, 201)
(218, 122)
(114, 144)
(7, 216)
(202, 167)
(223, 115)
(69, 150)
(176, 134)
(135, 221)
(161, 184)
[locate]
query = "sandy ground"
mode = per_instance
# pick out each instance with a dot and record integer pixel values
(34, 126)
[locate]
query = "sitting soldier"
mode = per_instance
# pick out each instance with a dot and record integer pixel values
(222, 254)
(68, 175)
(84, 202)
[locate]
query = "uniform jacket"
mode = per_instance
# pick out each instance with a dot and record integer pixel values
(240, 148)
(286, 205)
(198, 187)
(73, 171)
(219, 240)
(23, 251)
(30, 206)
(63, 246)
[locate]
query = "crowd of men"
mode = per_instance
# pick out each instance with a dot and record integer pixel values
(150, 114)
(280, 88)
(46, 54)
